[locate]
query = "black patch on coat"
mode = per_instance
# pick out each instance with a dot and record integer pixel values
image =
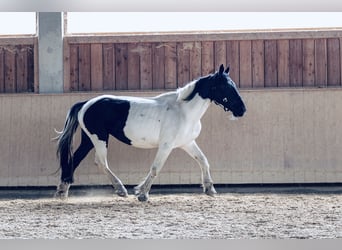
(202, 87)
(108, 116)
(221, 89)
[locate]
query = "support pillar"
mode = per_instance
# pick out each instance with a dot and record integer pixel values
(50, 52)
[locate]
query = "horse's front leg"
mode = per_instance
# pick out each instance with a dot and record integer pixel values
(195, 152)
(143, 189)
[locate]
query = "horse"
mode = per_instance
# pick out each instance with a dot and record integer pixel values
(167, 121)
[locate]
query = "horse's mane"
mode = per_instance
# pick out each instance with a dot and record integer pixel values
(186, 91)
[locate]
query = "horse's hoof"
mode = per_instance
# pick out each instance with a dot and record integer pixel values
(61, 195)
(62, 191)
(143, 197)
(210, 191)
(122, 192)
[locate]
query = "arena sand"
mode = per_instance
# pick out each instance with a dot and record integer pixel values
(236, 215)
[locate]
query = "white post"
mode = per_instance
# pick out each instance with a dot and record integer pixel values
(50, 51)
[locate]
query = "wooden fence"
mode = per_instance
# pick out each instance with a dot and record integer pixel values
(257, 60)
(17, 71)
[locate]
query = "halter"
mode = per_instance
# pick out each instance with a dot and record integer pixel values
(221, 105)
(224, 100)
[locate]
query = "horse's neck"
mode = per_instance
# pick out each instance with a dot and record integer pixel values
(196, 108)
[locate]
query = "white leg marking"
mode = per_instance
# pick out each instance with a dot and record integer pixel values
(195, 152)
(144, 187)
(101, 161)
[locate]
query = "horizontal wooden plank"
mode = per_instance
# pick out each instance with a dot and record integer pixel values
(17, 40)
(205, 36)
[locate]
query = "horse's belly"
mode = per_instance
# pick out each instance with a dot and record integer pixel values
(142, 140)
(144, 144)
(143, 135)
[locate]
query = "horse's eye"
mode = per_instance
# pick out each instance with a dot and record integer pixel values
(225, 99)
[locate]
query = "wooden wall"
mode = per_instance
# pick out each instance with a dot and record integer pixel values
(257, 60)
(17, 62)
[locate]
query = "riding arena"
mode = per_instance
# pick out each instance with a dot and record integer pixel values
(197, 135)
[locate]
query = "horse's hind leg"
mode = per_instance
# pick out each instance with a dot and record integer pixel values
(62, 190)
(195, 152)
(68, 171)
(102, 162)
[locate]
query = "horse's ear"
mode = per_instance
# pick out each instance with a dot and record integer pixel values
(221, 69)
(227, 70)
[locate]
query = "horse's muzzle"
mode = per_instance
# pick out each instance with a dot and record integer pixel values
(238, 112)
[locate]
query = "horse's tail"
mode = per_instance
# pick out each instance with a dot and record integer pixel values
(65, 138)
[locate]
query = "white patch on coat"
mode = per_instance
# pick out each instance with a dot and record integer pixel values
(164, 119)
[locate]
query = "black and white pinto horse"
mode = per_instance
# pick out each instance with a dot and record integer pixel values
(167, 121)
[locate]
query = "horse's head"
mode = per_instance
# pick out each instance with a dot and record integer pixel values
(222, 90)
